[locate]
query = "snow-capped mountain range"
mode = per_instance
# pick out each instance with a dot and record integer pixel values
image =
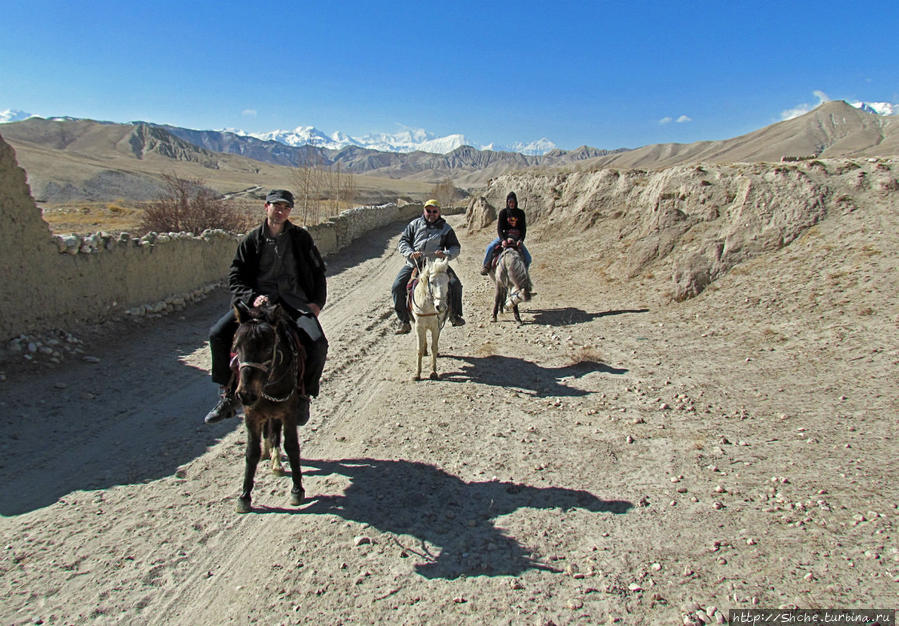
(408, 140)
(411, 139)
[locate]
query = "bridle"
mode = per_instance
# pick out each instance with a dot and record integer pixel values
(421, 269)
(269, 366)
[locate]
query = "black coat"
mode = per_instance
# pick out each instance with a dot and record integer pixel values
(503, 226)
(310, 268)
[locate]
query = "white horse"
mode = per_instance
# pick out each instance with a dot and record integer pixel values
(430, 300)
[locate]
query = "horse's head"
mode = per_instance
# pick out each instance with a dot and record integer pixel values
(438, 283)
(256, 347)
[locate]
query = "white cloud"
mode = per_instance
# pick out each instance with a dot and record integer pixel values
(248, 112)
(683, 118)
(802, 109)
(665, 120)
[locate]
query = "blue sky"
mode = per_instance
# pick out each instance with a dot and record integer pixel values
(605, 74)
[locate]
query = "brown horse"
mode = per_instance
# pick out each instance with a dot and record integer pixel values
(270, 361)
(513, 284)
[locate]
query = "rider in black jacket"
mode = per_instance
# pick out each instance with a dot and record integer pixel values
(276, 263)
(510, 225)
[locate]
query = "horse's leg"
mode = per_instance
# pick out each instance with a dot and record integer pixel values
(272, 446)
(435, 337)
(292, 448)
(420, 333)
(515, 311)
(498, 301)
(252, 460)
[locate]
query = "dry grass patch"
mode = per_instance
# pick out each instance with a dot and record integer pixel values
(89, 217)
(488, 348)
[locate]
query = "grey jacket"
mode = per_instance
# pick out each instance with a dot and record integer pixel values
(420, 236)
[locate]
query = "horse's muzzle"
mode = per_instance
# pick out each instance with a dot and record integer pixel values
(247, 397)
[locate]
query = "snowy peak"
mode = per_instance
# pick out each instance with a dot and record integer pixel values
(535, 148)
(878, 108)
(13, 115)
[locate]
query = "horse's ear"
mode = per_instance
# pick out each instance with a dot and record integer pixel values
(241, 312)
(275, 313)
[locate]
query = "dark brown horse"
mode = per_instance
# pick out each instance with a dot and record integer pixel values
(513, 284)
(270, 360)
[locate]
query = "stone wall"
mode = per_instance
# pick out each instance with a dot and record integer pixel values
(57, 282)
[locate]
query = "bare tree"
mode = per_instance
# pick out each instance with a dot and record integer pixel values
(348, 190)
(323, 191)
(187, 205)
(445, 192)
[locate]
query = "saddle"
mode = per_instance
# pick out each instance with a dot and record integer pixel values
(497, 251)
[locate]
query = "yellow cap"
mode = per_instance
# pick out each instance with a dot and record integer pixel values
(432, 202)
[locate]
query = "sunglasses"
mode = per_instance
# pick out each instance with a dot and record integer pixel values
(432, 211)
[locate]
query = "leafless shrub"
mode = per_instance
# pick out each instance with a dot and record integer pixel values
(584, 354)
(187, 205)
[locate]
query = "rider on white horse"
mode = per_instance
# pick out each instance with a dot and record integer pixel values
(427, 236)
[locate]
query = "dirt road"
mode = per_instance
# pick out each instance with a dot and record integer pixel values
(615, 459)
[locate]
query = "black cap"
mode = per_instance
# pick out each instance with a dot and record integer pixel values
(279, 195)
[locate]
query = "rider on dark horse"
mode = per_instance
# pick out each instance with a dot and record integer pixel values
(511, 228)
(277, 263)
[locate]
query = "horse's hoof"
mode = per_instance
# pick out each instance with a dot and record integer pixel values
(243, 505)
(278, 471)
(296, 497)
(416, 378)
(434, 376)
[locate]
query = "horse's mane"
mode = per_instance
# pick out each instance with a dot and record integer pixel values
(436, 266)
(257, 326)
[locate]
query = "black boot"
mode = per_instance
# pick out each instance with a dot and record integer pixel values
(226, 407)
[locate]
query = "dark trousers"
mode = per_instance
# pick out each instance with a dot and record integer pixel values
(221, 336)
(399, 293)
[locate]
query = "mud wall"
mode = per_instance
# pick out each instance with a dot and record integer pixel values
(56, 282)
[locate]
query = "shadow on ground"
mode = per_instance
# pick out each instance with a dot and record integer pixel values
(507, 371)
(568, 316)
(443, 521)
(91, 426)
(370, 246)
